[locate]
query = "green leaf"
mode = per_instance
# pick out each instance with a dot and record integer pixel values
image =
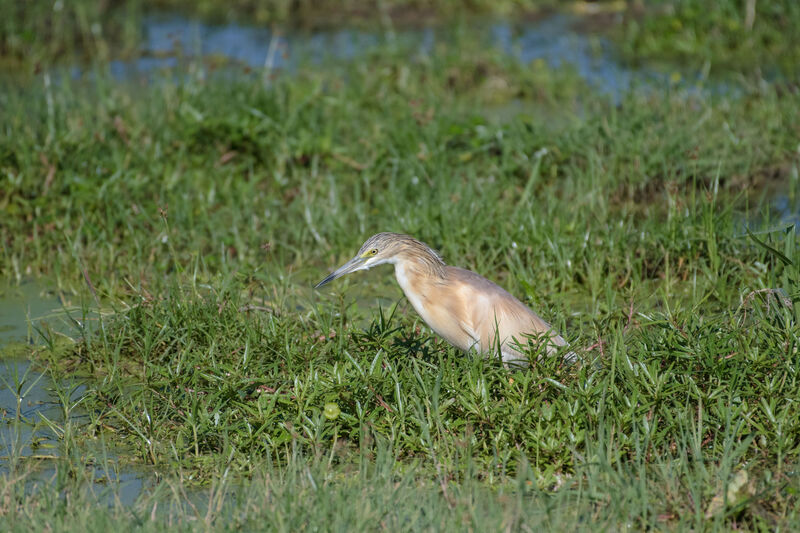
(785, 260)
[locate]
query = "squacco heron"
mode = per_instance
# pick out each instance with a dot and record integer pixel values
(466, 309)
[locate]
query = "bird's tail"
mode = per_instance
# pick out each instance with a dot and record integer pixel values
(556, 342)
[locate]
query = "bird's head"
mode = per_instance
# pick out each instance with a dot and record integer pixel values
(379, 249)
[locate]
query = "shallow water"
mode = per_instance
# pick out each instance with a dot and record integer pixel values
(27, 306)
(170, 39)
(785, 206)
(28, 398)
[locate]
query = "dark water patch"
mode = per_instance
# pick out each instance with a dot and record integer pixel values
(783, 199)
(776, 204)
(786, 209)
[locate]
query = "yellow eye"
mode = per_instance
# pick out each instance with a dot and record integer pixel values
(374, 251)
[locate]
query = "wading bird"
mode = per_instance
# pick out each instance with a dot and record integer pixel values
(468, 310)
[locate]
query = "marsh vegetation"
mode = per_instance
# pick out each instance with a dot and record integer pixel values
(181, 219)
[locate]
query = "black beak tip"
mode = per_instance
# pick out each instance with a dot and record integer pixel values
(324, 281)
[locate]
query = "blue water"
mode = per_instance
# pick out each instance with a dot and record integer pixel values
(29, 402)
(170, 40)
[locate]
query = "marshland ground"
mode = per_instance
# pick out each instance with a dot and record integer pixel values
(180, 215)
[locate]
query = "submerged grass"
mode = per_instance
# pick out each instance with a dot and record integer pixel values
(200, 209)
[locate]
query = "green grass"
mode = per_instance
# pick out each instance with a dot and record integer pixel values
(734, 35)
(201, 212)
(308, 494)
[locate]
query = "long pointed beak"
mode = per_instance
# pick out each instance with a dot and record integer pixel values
(351, 266)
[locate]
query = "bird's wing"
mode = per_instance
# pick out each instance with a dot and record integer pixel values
(493, 310)
(442, 308)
